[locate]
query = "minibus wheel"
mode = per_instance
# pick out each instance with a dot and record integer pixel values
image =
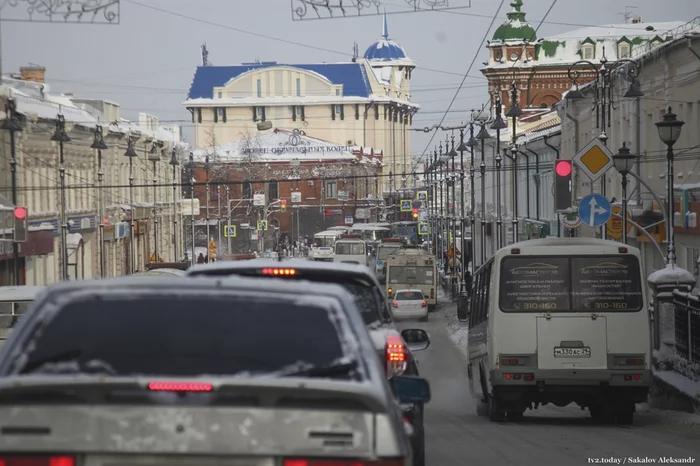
(494, 414)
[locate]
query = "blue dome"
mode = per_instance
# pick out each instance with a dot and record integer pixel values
(385, 49)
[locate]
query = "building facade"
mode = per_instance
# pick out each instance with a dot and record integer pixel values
(38, 185)
(300, 185)
(365, 102)
(670, 77)
(539, 66)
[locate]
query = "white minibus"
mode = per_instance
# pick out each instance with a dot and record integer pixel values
(351, 249)
(322, 247)
(560, 320)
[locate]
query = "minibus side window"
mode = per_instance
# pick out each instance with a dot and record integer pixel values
(474, 300)
(480, 296)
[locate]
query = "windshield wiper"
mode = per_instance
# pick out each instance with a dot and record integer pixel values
(342, 368)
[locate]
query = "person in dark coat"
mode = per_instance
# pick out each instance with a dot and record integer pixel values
(200, 258)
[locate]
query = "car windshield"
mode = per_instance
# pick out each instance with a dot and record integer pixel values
(409, 296)
(384, 251)
(187, 335)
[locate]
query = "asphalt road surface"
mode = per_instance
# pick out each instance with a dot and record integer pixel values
(456, 435)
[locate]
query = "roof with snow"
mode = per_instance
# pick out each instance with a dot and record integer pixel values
(385, 49)
(352, 76)
(516, 28)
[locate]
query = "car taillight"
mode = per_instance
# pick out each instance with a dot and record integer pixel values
(395, 304)
(178, 387)
(343, 462)
(37, 460)
(424, 303)
(396, 356)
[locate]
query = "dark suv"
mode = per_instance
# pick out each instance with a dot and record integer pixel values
(391, 348)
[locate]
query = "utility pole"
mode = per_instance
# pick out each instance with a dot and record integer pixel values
(61, 137)
(12, 125)
(99, 144)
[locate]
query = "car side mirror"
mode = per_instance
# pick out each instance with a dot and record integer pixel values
(463, 307)
(411, 389)
(416, 339)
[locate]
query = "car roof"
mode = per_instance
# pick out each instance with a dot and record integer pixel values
(338, 268)
(408, 290)
(161, 271)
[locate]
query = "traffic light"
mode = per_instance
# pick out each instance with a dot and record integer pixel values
(21, 228)
(283, 205)
(562, 185)
(415, 213)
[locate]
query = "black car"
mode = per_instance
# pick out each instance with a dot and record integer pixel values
(391, 348)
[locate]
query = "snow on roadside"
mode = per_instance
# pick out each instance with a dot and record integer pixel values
(456, 330)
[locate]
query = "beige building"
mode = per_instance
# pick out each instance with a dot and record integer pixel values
(365, 102)
(38, 185)
(670, 76)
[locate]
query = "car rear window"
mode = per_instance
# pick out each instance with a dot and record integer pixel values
(186, 335)
(408, 296)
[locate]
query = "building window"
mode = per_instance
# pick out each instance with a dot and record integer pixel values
(337, 92)
(221, 95)
(588, 52)
(222, 112)
(298, 87)
(300, 110)
(261, 113)
(259, 88)
(623, 50)
(331, 189)
(273, 190)
(691, 260)
(247, 190)
(338, 109)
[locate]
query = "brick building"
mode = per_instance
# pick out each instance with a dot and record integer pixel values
(300, 185)
(540, 66)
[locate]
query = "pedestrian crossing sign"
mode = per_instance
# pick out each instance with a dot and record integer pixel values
(422, 196)
(262, 225)
(229, 231)
(406, 205)
(423, 229)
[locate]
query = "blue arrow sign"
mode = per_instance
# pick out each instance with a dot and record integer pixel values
(595, 210)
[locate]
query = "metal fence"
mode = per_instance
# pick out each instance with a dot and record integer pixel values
(687, 317)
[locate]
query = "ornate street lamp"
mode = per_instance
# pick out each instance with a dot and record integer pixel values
(62, 137)
(483, 136)
(175, 163)
(624, 160)
(498, 125)
(131, 153)
(154, 156)
(99, 144)
(669, 132)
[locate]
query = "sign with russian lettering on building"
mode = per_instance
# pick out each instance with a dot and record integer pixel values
(259, 200)
(296, 196)
(300, 149)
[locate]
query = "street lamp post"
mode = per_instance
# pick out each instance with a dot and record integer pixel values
(514, 111)
(453, 221)
(191, 166)
(99, 144)
(154, 156)
(462, 230)
(62, 137)
(174, 163)
(669, 132)
(434, 205)
(131, 153)
(206, 171)
(472, 214)
(624, 160)
(498, 125)
(483, 136)
(13, 125)
(603, 99)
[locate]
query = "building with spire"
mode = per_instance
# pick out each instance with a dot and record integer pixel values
(540, 66)
(364, 102)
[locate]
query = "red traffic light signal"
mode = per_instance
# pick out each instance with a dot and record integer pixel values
(563, 168)
(415, 212)
(20, 213)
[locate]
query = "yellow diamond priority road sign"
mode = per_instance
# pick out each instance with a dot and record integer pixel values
(595, 159)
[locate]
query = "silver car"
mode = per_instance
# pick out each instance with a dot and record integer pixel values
(143, 371)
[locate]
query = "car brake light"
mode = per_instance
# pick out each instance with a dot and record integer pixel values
(396, 356)
(279, 272)
(395, 304)
(424, 303)
(635, 377)
(339, 462)
(178, 387)
(37, 461)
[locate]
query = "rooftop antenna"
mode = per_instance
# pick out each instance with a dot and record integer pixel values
(205, 55)
(355, 52)
(628, 13)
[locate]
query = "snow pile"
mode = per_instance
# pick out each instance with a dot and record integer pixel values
(673, 362)
(680, 382)
(675, 417)
(456, 330)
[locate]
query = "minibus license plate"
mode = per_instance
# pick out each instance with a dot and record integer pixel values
(584, 352)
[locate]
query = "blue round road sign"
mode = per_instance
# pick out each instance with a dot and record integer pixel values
(595, 210)
(417, 204)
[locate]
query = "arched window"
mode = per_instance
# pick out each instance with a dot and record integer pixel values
(273, 190)
(247, 190)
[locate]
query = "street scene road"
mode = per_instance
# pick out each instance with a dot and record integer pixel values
(456, 435)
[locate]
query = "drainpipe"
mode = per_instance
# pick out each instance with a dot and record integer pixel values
(537, 182)
(556, 151)
(527, 182)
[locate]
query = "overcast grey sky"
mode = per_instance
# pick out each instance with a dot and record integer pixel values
(146, 63)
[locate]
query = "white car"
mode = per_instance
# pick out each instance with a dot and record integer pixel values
(410, 304)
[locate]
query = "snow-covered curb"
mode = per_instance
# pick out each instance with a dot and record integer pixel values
(456, 330)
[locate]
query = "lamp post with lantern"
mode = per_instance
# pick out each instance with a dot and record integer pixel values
(154, 156)
(99, 145)
(624, 160)
(483, 136)
(174, 163)
(60, 136)
(669, 132)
